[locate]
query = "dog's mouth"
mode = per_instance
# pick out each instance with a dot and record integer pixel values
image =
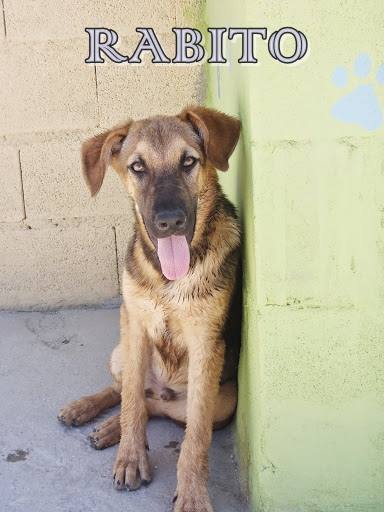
(174, 255)
(174, 250)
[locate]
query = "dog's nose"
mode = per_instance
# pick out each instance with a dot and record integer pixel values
(170, 220)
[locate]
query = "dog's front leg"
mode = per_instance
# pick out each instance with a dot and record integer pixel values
(131, 467)
(206, 357)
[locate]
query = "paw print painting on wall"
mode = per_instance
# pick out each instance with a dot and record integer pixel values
(360, 106)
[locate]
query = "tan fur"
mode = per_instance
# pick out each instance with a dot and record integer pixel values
(171, 353)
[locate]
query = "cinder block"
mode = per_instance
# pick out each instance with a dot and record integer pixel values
(45, 87)
(11, 196)
(139, 91)
(36, 20)
(54, 186)
(189, 13)
(322, 374)
(57, 267)
(320, 216)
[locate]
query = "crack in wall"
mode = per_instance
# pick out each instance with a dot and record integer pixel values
(4, 21)
(22, 186)
(97, 95)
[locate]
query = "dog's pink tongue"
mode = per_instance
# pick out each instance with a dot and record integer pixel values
(173, 252)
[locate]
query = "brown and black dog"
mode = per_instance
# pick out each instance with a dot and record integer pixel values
(180, 319)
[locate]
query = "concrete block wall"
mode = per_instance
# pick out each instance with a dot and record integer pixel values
(311, 191)
(59, 247)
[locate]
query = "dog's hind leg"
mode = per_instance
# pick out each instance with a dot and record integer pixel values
(80, 411)
(108, 432)
(176, 410)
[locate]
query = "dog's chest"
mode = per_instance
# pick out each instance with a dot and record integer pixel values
(168, 366)
(160, 321)
(169, 346)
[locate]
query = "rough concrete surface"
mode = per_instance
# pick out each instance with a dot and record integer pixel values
(47, 359)
(48, 19)
(51, 102)
(23, 274)
(11, 201)
(54, 187)
(50, 90)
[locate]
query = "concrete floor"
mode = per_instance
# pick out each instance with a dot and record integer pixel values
(48, 359)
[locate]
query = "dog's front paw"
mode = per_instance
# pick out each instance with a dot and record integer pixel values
(192, 498)
(78, 412)
(131, 468)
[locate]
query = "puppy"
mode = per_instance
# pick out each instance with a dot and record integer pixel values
(180, 319)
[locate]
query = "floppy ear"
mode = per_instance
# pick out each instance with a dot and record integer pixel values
(219, 133)
(97, 153)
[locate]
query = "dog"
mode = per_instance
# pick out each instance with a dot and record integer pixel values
(181, 313)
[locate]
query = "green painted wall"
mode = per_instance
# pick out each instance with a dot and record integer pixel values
(310, 422)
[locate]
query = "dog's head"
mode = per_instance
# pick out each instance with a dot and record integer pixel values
(163, 162)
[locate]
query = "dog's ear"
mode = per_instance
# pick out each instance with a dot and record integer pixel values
(218, 132)
(97, 154)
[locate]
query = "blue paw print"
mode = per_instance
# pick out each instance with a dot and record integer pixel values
(361, 106)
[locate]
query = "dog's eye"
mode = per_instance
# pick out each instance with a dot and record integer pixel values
(189, 161)
(137, 167)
